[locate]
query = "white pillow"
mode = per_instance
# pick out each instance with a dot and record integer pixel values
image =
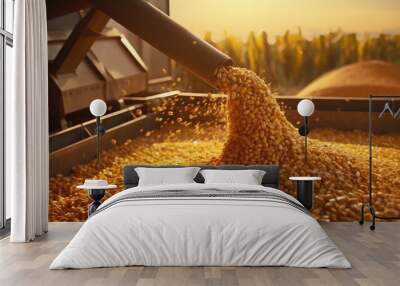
(248, 177)
(165, 176)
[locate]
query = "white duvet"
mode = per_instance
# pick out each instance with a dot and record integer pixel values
(200, 231)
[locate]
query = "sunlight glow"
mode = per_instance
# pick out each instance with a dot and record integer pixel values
(276, 16)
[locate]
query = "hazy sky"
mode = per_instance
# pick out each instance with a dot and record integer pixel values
(276, 16)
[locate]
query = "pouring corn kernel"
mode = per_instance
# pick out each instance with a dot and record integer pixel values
(249, 128)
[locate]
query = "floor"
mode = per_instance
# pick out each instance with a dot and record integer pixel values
(375, 257)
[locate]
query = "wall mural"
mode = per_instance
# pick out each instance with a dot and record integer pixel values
(251, 116)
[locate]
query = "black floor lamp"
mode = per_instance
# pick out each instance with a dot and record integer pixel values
(370, 204)
(98, 108)
(305, 108)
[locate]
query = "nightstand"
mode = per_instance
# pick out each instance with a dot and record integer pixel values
(305, 190)
(96, 190)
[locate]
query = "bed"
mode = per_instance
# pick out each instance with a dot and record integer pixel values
(199, 224)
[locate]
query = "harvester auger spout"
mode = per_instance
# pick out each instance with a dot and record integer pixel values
(159, 30)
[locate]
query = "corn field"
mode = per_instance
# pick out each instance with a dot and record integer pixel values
(292, 61)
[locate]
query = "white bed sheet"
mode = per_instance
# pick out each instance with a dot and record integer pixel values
(200, 232)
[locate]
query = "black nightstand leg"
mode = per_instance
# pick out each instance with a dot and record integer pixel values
(96, 196)
(305, 193)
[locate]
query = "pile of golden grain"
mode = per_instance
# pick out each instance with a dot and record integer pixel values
(172, 144)
(259, 133)
(256, 132)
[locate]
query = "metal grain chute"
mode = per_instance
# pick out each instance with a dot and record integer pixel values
(94, 58)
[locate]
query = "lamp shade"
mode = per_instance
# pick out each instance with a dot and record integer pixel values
(305, 107)
(98, 107)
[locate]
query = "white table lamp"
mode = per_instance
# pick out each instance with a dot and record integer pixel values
(98, 108)
(305, 108)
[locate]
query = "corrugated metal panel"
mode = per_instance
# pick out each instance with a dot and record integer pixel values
(80, 88)
(127, 76)
(105, 75)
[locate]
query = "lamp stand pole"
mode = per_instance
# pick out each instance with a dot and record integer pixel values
(98, 142)
(305, 137)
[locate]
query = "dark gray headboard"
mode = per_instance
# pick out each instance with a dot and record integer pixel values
(271, 177)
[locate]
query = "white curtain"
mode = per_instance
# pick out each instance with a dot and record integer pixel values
(27, 124)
